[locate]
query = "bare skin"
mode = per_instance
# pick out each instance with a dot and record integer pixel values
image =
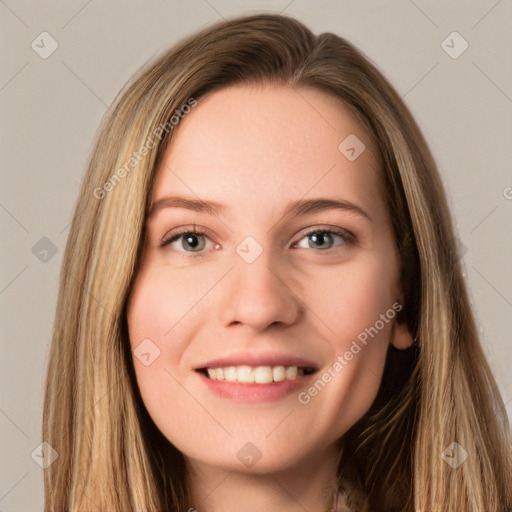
(255, 150)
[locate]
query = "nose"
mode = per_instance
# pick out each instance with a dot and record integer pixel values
(257, 295)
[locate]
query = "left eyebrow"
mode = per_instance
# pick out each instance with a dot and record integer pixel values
(305, 206)
(293, 209)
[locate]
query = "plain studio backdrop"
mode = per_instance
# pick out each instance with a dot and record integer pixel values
(62, 64)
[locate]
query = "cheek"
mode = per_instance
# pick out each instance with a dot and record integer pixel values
(160, 305)
(355, 305)
(157, 314)
(351, 298)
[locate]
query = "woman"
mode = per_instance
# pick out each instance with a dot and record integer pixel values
(209, 349)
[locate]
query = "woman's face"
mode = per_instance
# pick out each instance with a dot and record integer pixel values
(258, 343)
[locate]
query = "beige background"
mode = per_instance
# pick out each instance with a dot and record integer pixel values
(51, 109)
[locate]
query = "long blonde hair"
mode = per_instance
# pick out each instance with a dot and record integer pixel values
(111, 456)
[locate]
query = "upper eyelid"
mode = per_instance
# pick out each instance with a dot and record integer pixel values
(346, 234)
(179, 231)
(310, 230)
(193, 228)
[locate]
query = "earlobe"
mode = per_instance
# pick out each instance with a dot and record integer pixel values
(401, 338)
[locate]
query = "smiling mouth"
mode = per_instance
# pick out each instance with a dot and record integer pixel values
(257, 374)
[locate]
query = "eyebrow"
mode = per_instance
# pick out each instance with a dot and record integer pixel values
(293, 209)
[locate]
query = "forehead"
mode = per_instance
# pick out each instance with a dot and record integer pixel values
(259, 146)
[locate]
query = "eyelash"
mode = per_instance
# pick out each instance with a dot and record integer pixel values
(347, 236)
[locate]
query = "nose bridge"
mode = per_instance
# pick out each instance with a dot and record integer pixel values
(257, 294)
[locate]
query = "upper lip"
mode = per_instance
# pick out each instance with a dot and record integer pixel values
(259, 359)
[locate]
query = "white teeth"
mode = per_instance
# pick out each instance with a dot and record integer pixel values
(258, 375)
(263, 375)
(245, 374)
(230, 374)
(279, 373)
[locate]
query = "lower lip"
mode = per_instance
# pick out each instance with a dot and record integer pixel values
(255, 392)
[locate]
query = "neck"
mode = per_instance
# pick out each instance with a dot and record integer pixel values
(308, 485)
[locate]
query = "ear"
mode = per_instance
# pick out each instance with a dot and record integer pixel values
(401, 338)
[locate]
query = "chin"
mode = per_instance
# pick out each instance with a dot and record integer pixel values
(251, 458)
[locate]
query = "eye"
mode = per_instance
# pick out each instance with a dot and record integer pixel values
(324, 239)
(190, 241)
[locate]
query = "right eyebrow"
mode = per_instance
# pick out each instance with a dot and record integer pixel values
(197, 205)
